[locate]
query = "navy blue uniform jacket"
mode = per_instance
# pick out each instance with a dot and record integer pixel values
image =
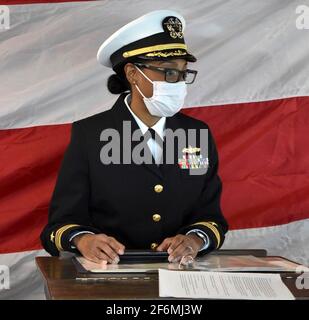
(138, 204)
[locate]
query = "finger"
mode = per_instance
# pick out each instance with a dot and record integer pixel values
(175, 243)
(109, 252)
(165, 244)
(186, 260)
(184, 249)
(103, 256)
(175, 255)
(116, 245)
(93, 258)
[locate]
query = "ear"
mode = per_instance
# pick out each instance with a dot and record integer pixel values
(130, 73)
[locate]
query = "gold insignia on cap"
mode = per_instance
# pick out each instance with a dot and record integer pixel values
(160, 47)
(166, 54)
(173, 26)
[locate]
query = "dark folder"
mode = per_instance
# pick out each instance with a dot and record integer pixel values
(143, 256)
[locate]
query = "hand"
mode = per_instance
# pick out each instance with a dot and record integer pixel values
(99, 247)
(181, 245)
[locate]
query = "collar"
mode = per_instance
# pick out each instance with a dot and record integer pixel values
(159, 126)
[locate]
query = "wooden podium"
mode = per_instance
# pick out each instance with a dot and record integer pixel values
(59, 281)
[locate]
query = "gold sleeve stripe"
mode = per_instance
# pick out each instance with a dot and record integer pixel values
(212, 227)
(159, 47)
(59, 234)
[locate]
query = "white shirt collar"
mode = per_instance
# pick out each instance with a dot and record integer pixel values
(159, 126)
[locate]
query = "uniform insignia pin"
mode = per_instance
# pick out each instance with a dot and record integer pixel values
(193, 161)
(173, 26)
(191, 150)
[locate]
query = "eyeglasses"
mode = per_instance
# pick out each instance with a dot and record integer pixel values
(172, 75)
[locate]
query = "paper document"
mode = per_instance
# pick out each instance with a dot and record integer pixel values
(222, 285)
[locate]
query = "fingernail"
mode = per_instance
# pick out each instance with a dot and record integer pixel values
(170, 258)
(120, 251)
(170, 250)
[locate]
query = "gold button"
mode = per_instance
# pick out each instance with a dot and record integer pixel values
(158, 188)
(156, 217)
(154, 246)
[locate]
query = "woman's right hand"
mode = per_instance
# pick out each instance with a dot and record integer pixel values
(99, 247)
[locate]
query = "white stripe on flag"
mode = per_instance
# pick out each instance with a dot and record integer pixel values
(247, 51)
(25, 281)
(287, 240)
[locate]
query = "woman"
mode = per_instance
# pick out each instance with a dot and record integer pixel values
(100, 207)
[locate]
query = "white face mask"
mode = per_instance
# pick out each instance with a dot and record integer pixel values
(167, 99)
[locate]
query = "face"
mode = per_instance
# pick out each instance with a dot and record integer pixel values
(135, 77)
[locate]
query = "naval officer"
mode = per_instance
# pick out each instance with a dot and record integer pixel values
(100, 209)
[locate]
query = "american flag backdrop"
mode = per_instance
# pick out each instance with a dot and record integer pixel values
(252, 89)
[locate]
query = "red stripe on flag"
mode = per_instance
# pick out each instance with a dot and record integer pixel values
(264, 165)
(30, 161)
(264, 160)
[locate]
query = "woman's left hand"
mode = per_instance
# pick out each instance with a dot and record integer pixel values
(181, 245)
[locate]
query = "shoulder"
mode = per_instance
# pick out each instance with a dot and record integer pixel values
(96, 120)
(92, 126)
(190, 122)
(102, 120)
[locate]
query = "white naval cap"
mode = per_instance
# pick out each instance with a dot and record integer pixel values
(157, 35)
